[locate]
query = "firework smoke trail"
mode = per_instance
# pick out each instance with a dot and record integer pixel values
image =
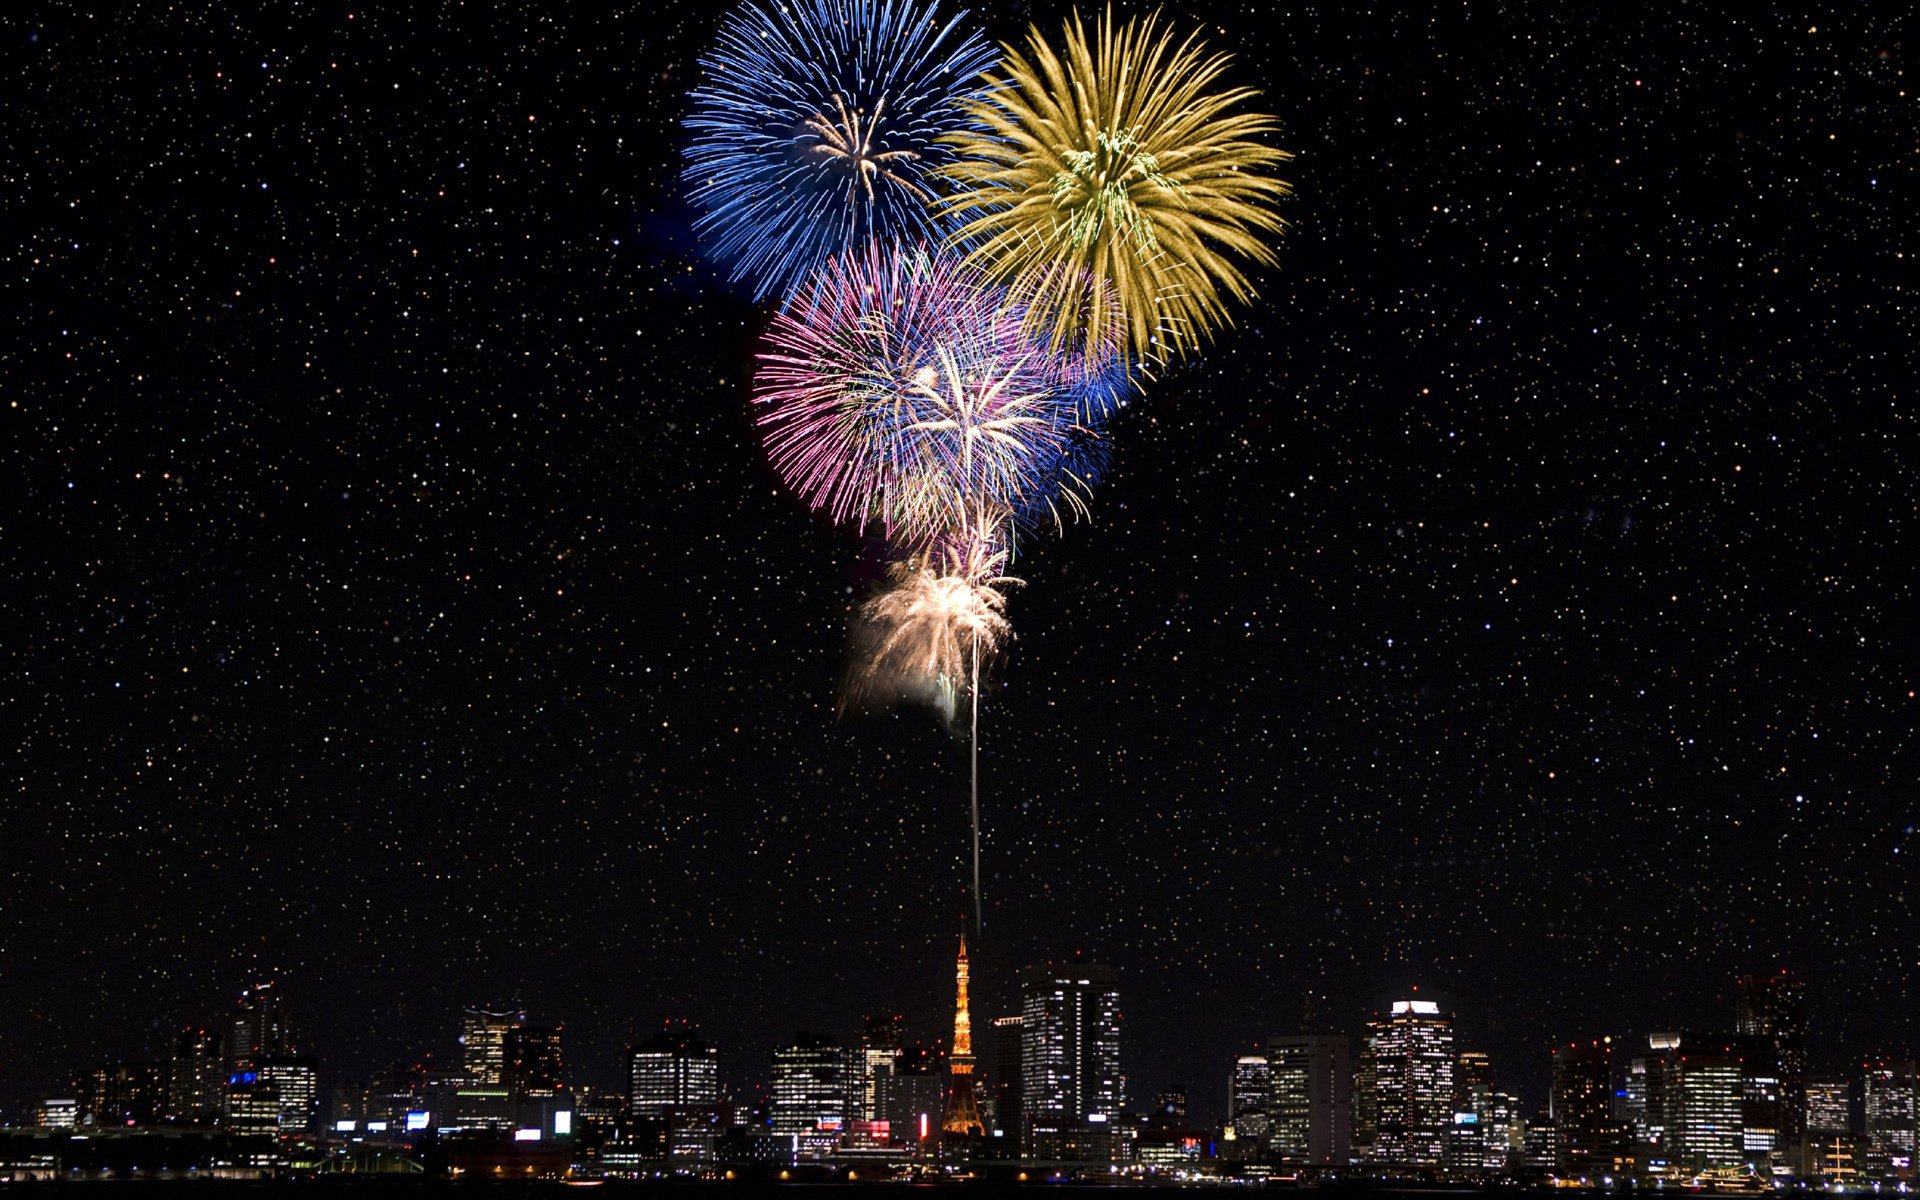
(944, 612)
(818, 127)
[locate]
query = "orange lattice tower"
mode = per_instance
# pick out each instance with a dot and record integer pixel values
(963, 1106)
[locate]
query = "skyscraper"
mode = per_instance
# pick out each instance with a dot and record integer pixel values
(810, 1086)
(483, 1043)
(116, 1094)
(1774, 1006)
(1310, 1099)
(879, 1055)
(1071, 1083)
(913, 1098)
(1412, 1051)
(292, 1081)
(672, 1069)
(1694, 1116)
(1006, 1080)
(1480, 1139)
(262, 1025)
(963, 1101)
(198, 1075)
(264, 1060)
(1583, 1109)
(1890, 1116)
(532, 1065)
(1248, 1085)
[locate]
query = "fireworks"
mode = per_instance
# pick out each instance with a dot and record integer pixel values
(819, 126)
(944, 611)
(1120, 159)
(945, 367)
(898, 388)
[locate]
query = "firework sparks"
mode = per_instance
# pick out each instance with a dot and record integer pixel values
(898, 388)
(818, 127)
(1119, 159)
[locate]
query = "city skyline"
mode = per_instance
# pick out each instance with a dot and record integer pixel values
(480, 1045)
(1404, 1100)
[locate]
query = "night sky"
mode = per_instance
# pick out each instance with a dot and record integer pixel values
(1517, 603)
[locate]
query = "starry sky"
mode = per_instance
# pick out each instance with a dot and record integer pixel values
(1516, 603)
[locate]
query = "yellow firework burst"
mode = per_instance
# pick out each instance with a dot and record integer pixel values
(1122, 160)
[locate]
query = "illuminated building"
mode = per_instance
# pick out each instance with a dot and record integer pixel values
(1411, 1047)
(963, 1101)
(249, 1104)
(1006, 1080)
(1310, 1099)
(1247, 1088)
(483, 1044)
(878, 1054)
(809, 1088)
(1762, 1100)
(1583, 1109)
(1774, 1006)
(1888, 1118)
(1072, 1090)
(61, 1113)
(116, 1094)
(1694, 1107)
(262, 1025)
(1486, 1133)
(1832, 1142)
(1472, 1069)
(532, 1065)
(1829, 1109)
(1502, 1131)
(913, 1098)
(197, 1078)
(672, 1069)
(292, 1082)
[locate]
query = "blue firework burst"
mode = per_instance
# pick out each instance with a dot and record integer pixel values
(817, 127)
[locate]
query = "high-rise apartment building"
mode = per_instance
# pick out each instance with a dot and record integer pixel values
(1310, 1099)
(810, 1087)
(1411, 1047)
(1773, 1006)
(673, 1069)
(483, 1044)
(1071, 1083)
(1248, 1086)
(1583, 1109)
(197, 1078)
